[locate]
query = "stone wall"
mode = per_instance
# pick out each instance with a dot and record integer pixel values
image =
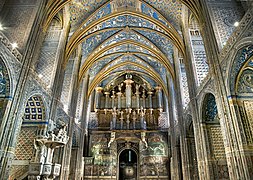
(17, 18)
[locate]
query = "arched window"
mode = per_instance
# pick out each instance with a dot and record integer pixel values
(34, 109)
(214, 137)
(209, 113)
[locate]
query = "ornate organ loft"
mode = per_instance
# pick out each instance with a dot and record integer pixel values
(128, 111)
(128, 104)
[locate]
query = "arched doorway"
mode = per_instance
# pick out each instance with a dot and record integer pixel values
(128, 165)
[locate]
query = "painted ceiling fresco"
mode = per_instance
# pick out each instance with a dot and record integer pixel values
(117, 31)
(81, 9)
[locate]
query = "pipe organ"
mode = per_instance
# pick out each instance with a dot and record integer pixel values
(128, 105)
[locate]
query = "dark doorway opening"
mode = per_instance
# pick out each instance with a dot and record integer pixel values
(128, 165)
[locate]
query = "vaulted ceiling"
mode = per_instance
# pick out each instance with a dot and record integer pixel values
(119, 36)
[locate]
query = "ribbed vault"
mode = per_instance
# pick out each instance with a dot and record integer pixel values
(116, 37)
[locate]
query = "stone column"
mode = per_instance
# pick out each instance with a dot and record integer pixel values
(71, 112)
(205, 172)
(83, 109)
(179, 104)
(98, 97)
(13, 122)
(175, 168)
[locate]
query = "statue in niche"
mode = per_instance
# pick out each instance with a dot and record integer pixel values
(113, 135)
(120, 86)
(95, 149)
(51, 136)
(114, 117)
(143, 139)
(143, 112)
(41, 151)
(62, 134)
(114, 112)
(137, 87)
(59, 134)
(121, 115)
(134, 115)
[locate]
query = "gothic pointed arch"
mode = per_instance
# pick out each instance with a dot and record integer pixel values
(241, 90)
(214, 137)
(5, 88)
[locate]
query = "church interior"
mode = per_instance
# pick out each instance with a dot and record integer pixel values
(126, 89)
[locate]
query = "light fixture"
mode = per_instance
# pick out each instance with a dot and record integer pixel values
(236, 24)
(40, 75)
(14, 45)
(1, 27)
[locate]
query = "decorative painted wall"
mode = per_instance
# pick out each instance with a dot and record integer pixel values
(214, 138)
(4, 88)
(46, 63)
(17, 17)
